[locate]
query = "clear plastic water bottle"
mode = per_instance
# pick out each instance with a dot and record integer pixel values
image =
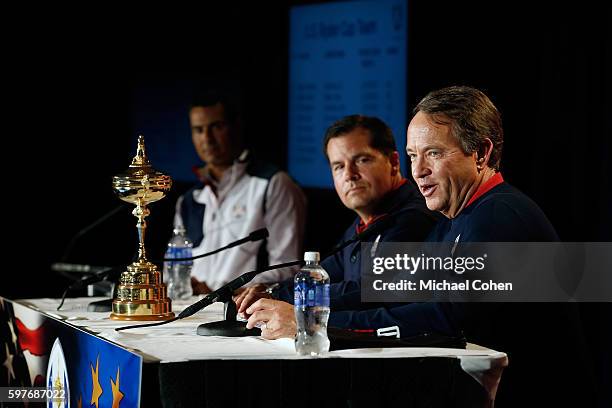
(311, 302)
(177, 275)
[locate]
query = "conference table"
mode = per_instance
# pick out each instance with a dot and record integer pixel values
(171, 366)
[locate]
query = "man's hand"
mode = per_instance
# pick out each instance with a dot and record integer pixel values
(199, 288)
(277, 316)
(250, 295)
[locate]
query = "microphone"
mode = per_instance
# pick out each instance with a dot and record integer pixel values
(96, 277)
(255, 236)
(214, 296)
(228, 289)
(258, 235)
(101, 274)
(78, 268)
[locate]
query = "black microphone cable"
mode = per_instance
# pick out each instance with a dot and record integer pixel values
(97, 277)
(88, 228)
(94, 278)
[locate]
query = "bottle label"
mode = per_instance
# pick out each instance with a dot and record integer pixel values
(311, 295)
(177, 252)
(299, 294)
(322, 295)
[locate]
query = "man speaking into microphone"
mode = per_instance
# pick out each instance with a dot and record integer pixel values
(365, 167)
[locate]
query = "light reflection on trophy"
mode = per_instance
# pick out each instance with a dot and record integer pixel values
(141, 294)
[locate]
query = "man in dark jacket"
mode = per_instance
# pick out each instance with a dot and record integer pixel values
(454, 143)
(365, 167)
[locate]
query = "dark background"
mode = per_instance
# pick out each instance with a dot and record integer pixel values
(68, 129)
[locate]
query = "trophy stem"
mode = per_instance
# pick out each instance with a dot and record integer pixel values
(141, 211)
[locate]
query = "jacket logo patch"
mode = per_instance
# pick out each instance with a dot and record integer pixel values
(238, 211)
(455, 246)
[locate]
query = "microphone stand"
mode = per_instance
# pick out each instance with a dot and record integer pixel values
(230, 327)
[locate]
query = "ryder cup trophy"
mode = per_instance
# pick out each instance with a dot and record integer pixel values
(141, 294)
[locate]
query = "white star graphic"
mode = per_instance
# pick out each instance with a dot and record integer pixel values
(13, 336)
(8, 363)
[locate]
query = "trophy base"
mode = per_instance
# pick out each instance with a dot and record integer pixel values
(146, 310)
(141, 295)
(141, 318)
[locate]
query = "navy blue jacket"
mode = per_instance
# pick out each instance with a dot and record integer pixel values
(538, 337)
(501, 214)
(412, 223)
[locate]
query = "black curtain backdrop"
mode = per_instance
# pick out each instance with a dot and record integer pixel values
(69, 84)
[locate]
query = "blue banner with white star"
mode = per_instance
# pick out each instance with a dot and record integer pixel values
(82, 369)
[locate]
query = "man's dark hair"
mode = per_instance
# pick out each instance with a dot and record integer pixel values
(471, 116)
(381, 136)
(211, 97)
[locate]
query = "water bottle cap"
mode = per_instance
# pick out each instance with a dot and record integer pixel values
(312, 256)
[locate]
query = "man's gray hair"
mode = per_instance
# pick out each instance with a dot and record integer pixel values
(471, 116)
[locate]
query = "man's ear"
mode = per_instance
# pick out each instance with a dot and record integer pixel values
(484, 153)
(395, 163)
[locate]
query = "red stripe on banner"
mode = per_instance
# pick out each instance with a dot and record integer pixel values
(32, 340)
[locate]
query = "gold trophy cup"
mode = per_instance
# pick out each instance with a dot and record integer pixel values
(141, 294)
